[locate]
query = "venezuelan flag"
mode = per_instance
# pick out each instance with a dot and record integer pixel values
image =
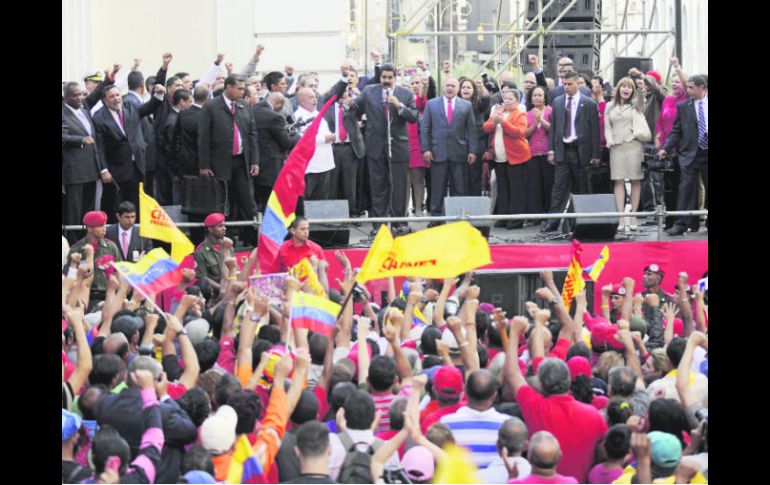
(596, 269)
(244, 467)
(282, 203)
(155, 272)
(313, 313)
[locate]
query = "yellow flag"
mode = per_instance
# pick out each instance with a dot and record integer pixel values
(304, 271)
(457, 467)
(573, 283)
(598, 266)
(438, 252)
(156, 224)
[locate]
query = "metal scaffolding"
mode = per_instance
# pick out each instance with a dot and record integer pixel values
(535, 28)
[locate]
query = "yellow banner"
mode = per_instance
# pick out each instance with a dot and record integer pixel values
(304, 272)
(438, 252)
(573, 283)
(156, 224)
(598, 266)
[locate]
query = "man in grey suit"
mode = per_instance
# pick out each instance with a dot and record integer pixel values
(228, 148)
(573, 144)
(81, 164)
(386, 105)
(125, 234)
(448, 141)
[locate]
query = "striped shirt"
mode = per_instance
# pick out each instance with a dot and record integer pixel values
(382, 402)
(477, 431)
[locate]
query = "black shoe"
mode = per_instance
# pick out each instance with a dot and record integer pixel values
(514, 225)
(695, 228)
(550, 227)
(500, 224)
(676, 231)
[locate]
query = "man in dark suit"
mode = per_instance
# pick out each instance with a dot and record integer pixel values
(573, 144)
(187, 130)
(690, 137)
(163, 169)
(126, 235)
(448, 141)
(386, 105)
(228, 148)
(348, 148)
(274, 143)
(81, 165)
(171, 142)
(121, 145)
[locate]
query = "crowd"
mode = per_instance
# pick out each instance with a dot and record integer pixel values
(385, 395)
(388, 140)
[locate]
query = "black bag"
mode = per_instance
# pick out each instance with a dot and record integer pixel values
(357, 467)
(204, 195)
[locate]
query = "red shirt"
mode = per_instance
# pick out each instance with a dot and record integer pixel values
(439, 413)
(289, 254)
(577, 426)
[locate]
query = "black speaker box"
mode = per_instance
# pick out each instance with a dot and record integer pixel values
(624, 64)
(602, 228)
(473, 206)
(328, 235)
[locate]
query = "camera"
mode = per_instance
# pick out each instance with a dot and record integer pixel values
(358, 293)
(489, 83)
(295, 128)
(652, 163)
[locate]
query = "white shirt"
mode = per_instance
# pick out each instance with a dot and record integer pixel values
(116, 117)
(497, 473)
(575, 99)
(338, 451)
(705, 103)
(323, 158)
(229, 104)
(82, 117)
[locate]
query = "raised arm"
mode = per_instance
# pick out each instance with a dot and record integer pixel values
(513, 378)
(402, 364)
(683, 300)
(686, 394)
(251, 66)
(76, 319)
(700, 311)
(538, 345)
(628, 298)
(363, 355)
(469, 362)
(632, 360)
(438, 310)
(567, 331)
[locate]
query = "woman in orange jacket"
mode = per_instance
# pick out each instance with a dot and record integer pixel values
(507, 126)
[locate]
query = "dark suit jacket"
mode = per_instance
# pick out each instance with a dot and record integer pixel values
(80, 163)
(118, 150)
(136, 243)
(159, 123)
(370, 103)
(171, 143)
(274, 141)
(354, 132)
(215, 137)
(148, 132)
(559, 90)
(448, 142)
(684, 134)
(187, 134)
(586, 126)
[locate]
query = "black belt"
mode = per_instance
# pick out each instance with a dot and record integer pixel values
(341, 143)
(572, 145)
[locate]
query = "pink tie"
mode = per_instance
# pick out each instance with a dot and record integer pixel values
(122, 120)
(124, 243)
(449, 112)
(236, 133)
(343, 132)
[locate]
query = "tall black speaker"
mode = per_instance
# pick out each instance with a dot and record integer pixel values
(328, 235)
(602, 228)
(473, 206)
(624, 64)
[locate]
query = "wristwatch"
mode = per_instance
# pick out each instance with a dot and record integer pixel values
(182, 332)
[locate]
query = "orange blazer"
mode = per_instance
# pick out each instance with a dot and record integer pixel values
(514, 137)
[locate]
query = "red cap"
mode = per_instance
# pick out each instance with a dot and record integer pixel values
(448, 381)
(409, 344)
(214, 219)
(95, 219)
(678, 326)
(655, 74)
(579, 366)
(655, 268)
(353, 355)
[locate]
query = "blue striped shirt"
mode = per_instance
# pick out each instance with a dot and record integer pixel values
(476, 431)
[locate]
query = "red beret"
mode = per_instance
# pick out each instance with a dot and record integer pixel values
(214, 219)
(95, 219)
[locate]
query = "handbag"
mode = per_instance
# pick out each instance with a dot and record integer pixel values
(204, 195)
(640, 128)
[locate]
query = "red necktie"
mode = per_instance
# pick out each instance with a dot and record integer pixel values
(122, 120)
(236, 133)
(449, 112)
(124, 243)
(341, 126)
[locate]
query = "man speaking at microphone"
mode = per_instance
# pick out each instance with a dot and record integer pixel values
(388, 108)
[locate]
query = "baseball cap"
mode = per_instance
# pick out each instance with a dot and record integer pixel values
(218, 430)
(70, 424)
(448, 381)
(666, 449)
(448, 337)
(198, 476)
(418, 463)
(579, 366)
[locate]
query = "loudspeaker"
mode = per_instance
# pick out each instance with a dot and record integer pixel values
(328, 235)
(509, 289)
(586, 59)
(473, 206)
(624, 64)
(594, 228)
(582, 10)
(483, 14)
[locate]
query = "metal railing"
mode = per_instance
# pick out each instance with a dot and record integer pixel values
(659, 214)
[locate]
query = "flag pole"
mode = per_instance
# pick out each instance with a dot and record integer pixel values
(146, 298)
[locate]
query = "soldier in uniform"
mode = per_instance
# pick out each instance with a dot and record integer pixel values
(208, 257)
(105, 251)
(653, 276)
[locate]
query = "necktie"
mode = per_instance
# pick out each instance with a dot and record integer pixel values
(568, 119)
(122, 120)
(84, 120)
(449, 111)
(236, 133)
(124, 243)
(341, 126)
(703, 142)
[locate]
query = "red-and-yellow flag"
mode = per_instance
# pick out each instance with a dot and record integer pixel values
(573, 283)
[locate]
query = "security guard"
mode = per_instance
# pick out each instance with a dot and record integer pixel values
(208, 258)
(105, 253)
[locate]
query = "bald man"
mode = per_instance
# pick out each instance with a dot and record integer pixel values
(318, 172)
(511, 443)
(544, 455)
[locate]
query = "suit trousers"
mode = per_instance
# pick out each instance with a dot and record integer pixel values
(417, 183)
(539, 174)
(475, 174)
(387, 183)
(317, 185)
(262, 193)
(80, 198)
(569, 177)
(344, 175)
(112, 196)
(511, 187)
(240, 191)
(452, 172)
(688, 188)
